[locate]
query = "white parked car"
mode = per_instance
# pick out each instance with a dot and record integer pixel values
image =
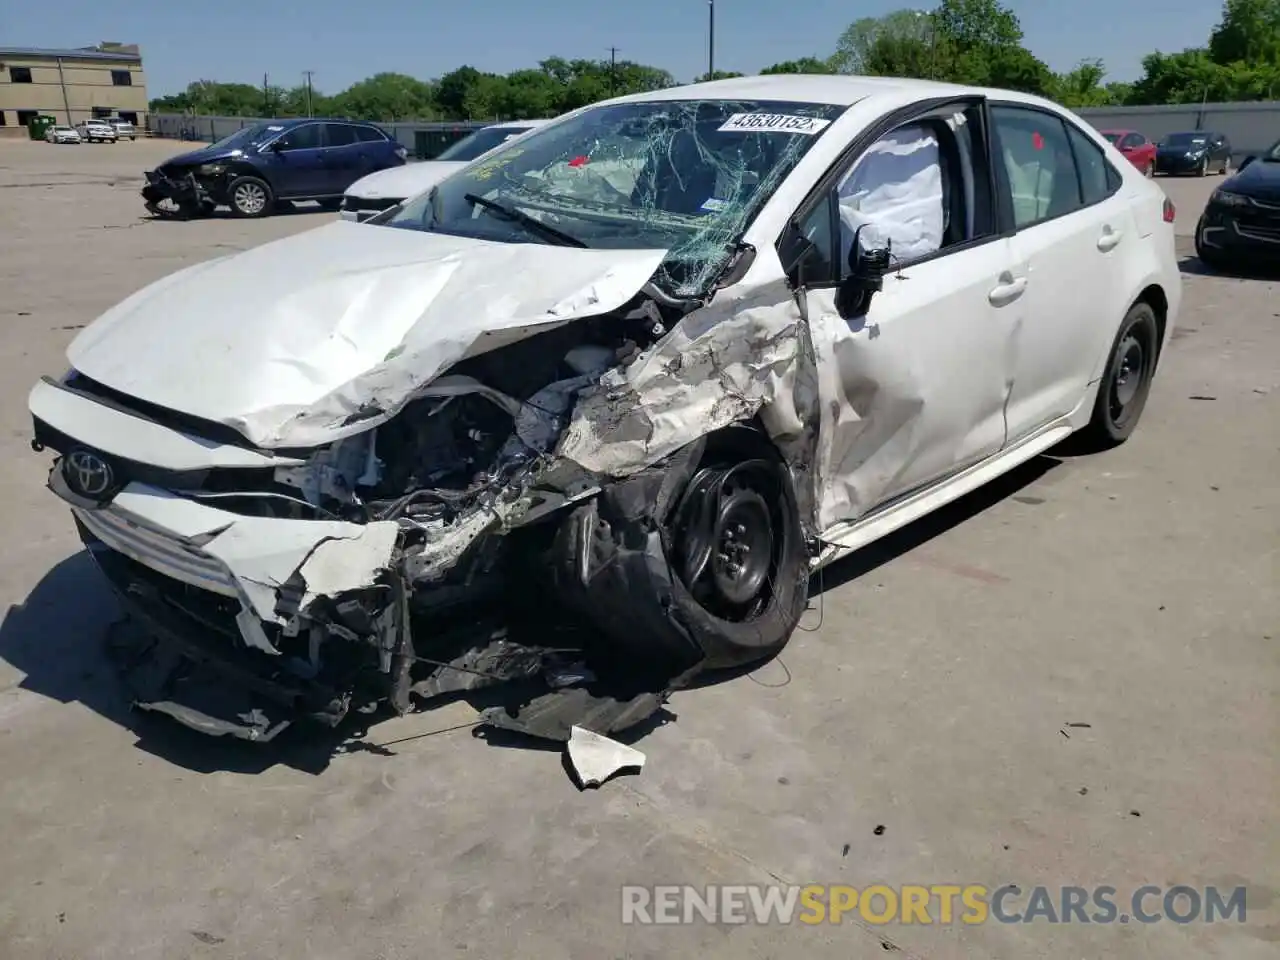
(96, 131)
(123, 128)
(380, 191)
(642, 370)
(62, 134)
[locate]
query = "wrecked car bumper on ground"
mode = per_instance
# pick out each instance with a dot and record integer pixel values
(183, 193)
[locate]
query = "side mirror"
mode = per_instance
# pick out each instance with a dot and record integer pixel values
(865, 279)
(1246, 161)
(275, 146)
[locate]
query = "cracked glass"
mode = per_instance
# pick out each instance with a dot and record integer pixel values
(685, 176)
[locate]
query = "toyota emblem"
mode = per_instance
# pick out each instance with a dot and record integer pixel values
(88, 474)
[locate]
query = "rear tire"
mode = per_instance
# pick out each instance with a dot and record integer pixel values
(249, 197)
(1126, 380)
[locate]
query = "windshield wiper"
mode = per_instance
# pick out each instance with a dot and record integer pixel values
(522, 218)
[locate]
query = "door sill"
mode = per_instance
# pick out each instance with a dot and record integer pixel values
(844, 538)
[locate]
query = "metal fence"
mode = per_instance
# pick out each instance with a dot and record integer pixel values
(1251, 127)
(424, 140)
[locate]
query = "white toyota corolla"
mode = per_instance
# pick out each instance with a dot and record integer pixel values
(592, 410)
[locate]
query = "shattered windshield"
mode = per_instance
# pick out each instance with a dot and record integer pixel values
(685, 176)
(482, 141)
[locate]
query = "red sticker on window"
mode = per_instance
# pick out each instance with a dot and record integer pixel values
(578, 162)
(1037, 141)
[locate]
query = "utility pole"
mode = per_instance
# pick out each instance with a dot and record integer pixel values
(308, 76)
(711, 39)
(613, 71)
(266, 97)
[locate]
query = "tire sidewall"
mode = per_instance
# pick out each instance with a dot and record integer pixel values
(1140, 317)
(728, 643)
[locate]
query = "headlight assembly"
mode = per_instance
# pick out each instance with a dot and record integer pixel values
(1224, 198)
(211, 169)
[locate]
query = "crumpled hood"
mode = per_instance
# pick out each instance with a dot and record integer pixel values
(405, 181)
(203, 155)
(287, 341)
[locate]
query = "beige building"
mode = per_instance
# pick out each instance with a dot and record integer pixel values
(72, 85)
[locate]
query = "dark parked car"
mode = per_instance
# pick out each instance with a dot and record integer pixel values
(1241, 223)
(257, 166)
(1198, 152)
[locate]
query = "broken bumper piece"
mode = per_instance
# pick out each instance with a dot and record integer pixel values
(240, 626)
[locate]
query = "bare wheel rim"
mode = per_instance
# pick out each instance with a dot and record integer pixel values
(250, 198)
(729, 539)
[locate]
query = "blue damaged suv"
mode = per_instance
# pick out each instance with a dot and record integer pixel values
(258, 166)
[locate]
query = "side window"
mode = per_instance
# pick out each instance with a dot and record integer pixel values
(369, 135)
(1038, 163)
(339, 135)
(1095, 184)
(305, 137)
(1133, 140)
(917, 190)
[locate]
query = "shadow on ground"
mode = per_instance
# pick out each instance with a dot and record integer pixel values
(285, 208)
(1193, 266)
(57, 638)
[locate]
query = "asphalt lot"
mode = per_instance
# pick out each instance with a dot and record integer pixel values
(1067, 679)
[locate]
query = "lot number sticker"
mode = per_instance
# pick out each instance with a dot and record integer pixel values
(773, 123)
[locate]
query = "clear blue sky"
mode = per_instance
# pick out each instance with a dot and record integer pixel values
(344, 41)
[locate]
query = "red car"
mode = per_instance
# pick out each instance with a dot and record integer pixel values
(1136, 148)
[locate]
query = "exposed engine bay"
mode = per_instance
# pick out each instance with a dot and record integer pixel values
(490, 559)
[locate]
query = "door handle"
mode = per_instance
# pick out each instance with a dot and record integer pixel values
(1007, 291)
(1109, 239)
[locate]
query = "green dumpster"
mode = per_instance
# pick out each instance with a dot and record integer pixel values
(40, 123)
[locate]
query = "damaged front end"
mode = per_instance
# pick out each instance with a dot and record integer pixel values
(513, 521)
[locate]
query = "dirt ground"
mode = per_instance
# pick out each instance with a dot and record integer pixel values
(1069, 678)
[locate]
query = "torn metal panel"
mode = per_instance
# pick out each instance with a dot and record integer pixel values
(744, 354)
(335, 329)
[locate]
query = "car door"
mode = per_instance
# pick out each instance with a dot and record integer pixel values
(346, 159)
(913, 388)
(296, 162)
(1072, 230)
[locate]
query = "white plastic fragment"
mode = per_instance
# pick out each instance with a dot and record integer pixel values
(596, 758)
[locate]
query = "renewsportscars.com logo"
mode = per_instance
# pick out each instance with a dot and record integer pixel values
(928, 904)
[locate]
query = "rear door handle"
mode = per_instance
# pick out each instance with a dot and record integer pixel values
(1007, 291)
(1109, 239)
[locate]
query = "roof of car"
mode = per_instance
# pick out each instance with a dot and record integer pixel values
(836, 89)
(517, 124)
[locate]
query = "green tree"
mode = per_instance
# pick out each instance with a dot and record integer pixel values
(1083, 87)
(1248, 33)
(977, 24)
(451, 91)
(1187, 77)
(716, 75)
(803, 65)
(857, 50)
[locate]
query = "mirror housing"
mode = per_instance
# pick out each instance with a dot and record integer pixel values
(865, 279)
(1246, 161)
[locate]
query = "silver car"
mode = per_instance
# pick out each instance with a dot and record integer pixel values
(123, 128)
(62, 134)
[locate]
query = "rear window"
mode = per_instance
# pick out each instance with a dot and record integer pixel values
(370, 135)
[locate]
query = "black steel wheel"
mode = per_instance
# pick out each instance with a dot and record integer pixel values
(1126, 381)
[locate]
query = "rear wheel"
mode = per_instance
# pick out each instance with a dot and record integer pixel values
(1126, 381)
(249, 197)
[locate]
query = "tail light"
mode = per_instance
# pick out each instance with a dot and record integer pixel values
(1169, 210)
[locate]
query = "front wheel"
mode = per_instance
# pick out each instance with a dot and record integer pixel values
(700, 559)
(249, 197)
(1226, 166)
(1150, 172)
(1203, 170)
(1126, 381)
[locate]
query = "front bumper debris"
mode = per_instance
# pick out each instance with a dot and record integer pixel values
(185, 192)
